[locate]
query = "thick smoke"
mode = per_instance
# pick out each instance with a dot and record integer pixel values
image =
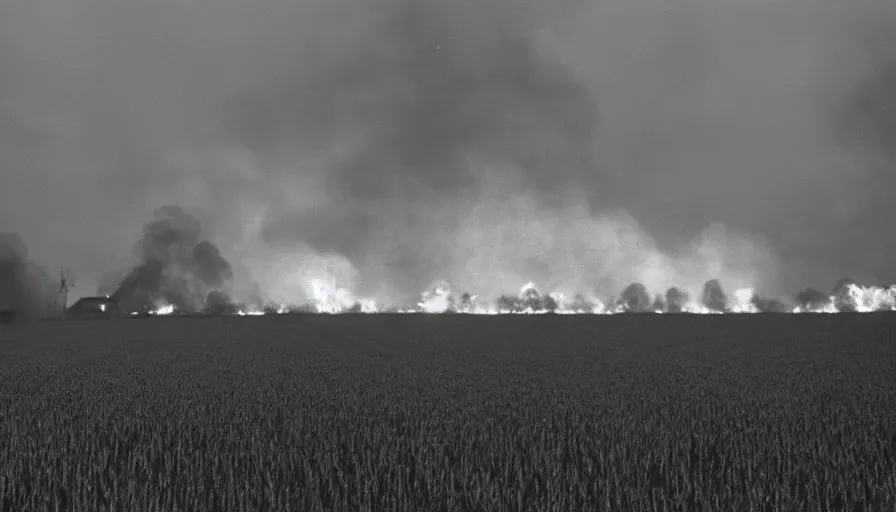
(380, 146)
(25, 287)
(471, 143)
(177, 267)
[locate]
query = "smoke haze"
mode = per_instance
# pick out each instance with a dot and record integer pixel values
(25, 287)
(385, 146)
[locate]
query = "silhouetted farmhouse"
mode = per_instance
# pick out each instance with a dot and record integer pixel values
(93, 308)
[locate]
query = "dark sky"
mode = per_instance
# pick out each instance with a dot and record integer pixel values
(387, 144)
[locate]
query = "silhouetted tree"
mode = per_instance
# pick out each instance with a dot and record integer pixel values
(305, 308)
(580, 303)
(777, 306)
(812, 299)
(507, 303)
(218, 303)
(530, 298)
(547, 303)
(766, 305)
(714, 297)
(843, 301)
(635, 298)
(676, 300)
(466, 302)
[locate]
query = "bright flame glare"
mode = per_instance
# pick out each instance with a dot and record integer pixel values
(166, 309)
(326, 298)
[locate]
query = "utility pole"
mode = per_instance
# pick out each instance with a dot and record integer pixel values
(65, 284)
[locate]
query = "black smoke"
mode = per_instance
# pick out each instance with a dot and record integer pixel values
(440, 98)
(423, 140)
(25, 287)
(177, 267)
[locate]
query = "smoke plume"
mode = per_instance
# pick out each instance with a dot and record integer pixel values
(347, 149)
(25, 287)
(177, 267)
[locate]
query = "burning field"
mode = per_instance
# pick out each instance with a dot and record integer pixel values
(848, 297)
(447, 256)
(450, 412)
(300, 394)
(180, 272)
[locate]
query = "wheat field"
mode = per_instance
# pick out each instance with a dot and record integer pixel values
(450, 413)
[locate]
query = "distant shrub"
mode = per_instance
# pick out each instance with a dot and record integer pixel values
(271, 309)
(548, 303)
(635, 298)
(219, 303)
(580, 303)
(812, 299)
(7, 316)
(508, 303)
(766, 305)
(714, 296)
(676, 300)
(843, 301)
(305, 308)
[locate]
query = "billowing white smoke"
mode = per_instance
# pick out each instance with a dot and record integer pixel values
(327, 297)
(486, 244)
(299, 279)
(438, 299)
(489, 244)
(866, 299)
(505, 237)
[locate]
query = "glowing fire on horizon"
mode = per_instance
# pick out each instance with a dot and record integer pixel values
(166, 309)
(324, 297)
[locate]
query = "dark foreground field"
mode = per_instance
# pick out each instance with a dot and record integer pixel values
(357, 413)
